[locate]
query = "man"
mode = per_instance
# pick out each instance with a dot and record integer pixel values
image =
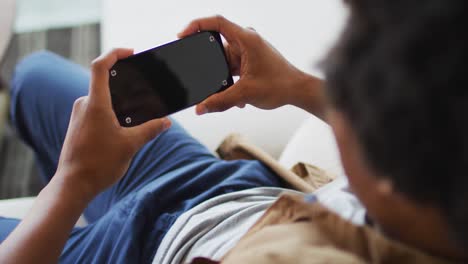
(394, 98)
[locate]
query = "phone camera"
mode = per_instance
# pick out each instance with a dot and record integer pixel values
(128, 120)
(225, 83)
(212, 39)
(113, 73)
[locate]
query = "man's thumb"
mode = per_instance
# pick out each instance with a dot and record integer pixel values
(222, 101)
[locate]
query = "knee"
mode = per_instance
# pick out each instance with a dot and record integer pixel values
(28, 76)
(30, 70)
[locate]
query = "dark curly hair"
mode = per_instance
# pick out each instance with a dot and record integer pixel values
(399, 74)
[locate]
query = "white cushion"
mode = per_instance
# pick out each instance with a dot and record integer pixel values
(269, 130)
(313, 143)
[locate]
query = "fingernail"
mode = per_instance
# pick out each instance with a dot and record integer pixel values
(166, 124)
(201, 109)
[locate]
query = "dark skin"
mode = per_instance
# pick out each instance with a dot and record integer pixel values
(90, 162)
(261, 68)
(400, 217)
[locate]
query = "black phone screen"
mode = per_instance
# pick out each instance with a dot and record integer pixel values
(169, 78)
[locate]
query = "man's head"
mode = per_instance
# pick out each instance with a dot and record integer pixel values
(397, 81)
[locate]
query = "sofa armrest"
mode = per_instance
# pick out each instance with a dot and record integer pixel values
(19, 207)
(16, 208)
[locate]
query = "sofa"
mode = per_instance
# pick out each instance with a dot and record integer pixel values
(288, 134)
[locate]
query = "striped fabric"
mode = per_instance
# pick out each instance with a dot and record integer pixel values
(18, 172)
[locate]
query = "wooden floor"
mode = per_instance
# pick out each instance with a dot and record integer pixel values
(18, 171)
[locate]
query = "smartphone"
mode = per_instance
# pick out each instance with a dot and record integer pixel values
(166, 79)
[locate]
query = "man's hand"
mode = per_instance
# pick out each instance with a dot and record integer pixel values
(97, 150)
(96, 153)
(267, 79)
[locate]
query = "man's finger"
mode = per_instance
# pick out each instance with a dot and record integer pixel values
(99, 89)
(233, 96)
(233, 60)
(147, 131)
(216, 23)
